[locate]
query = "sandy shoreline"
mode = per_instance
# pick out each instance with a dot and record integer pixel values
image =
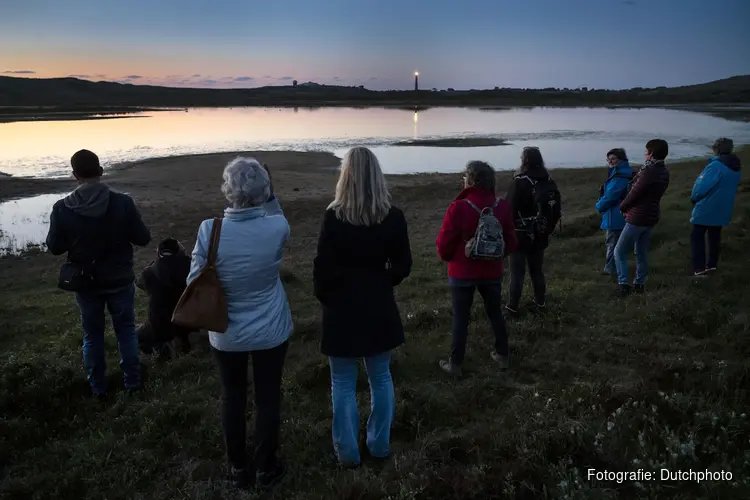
(305, 175)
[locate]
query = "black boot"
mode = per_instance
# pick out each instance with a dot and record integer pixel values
(623, 290)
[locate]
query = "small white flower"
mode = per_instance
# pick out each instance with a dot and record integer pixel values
(610, 425)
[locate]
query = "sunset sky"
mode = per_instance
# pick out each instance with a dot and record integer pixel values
(378, 43)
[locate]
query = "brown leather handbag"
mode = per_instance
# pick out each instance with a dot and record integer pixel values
(203, 304)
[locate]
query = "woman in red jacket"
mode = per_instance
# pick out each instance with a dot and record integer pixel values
(466, 274)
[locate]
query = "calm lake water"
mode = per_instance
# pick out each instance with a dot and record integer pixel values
(568, 137)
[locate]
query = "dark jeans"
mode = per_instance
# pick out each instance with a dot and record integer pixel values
(119, 303)
(698, 243)
(518, 261)
(463, 298)
(267, 369)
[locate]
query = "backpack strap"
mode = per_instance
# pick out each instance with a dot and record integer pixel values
(473, 206)
(481, 211)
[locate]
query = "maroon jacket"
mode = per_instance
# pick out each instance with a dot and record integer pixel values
(641, 205)
(458, 227)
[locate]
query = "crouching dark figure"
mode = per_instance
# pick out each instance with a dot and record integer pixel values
(164, 280)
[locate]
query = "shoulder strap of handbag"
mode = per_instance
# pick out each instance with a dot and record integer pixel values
(213, 246)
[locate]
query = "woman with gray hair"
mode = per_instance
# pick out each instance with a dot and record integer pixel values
(253, 234)
(363, 253)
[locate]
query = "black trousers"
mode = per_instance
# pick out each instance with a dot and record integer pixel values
(518, 262)
(268, 366)
(463, 298)
(698, 240)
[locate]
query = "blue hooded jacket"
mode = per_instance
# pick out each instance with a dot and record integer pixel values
(715, 190)
(613, 191)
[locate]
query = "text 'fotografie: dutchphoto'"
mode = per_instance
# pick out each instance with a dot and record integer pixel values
(662, 475)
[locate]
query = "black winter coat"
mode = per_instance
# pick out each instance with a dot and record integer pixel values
(94, 222)
(521, 198)
(354, 274)
(164, 281)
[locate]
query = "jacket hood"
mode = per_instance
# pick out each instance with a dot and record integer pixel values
(732, 161)
(89, 200)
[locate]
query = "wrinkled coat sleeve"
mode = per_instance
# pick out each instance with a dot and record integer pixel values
(57, 240)
(636, 192)
(139, 234)
(612, 194)
(449, 236)
(705, 182)
(200, 251)
(325, 271)
(400, 252)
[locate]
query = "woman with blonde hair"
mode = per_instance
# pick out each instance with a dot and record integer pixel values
(363, 253)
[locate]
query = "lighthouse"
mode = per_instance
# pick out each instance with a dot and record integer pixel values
(416, 81)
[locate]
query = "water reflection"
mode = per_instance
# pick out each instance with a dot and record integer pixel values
(573, 136)
(24, 223)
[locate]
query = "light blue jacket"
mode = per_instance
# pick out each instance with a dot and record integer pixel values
(251, 248)
(715, 190)
(613, 192)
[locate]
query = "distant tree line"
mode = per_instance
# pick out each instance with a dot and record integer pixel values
(73, 94)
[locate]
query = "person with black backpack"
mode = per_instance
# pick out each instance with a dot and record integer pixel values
(611, 194)
(537, 209)
(476, 235)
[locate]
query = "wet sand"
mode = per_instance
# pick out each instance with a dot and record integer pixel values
(198, 177)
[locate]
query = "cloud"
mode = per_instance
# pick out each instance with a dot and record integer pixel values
(79, 76)
(373, 78)
(268, 77)
(196, 76)
(208, 83)
(286, 78)
(133, 77)
(337, 78)
(20, 72)
(244, 79)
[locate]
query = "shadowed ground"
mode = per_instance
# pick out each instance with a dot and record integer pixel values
(653, 381)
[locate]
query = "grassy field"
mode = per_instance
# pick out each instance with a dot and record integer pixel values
(648, 382)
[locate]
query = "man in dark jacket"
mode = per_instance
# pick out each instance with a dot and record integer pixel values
(642, 211)
(164, 280)
(97, 227)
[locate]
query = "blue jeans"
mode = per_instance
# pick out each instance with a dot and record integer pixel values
(119, 303)
(638, 238)
(345, 414)
(610, 242)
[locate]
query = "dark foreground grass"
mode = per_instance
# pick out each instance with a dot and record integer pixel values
(649, 382)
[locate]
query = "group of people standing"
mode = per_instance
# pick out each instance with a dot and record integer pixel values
(630, 208)
(363, 253)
